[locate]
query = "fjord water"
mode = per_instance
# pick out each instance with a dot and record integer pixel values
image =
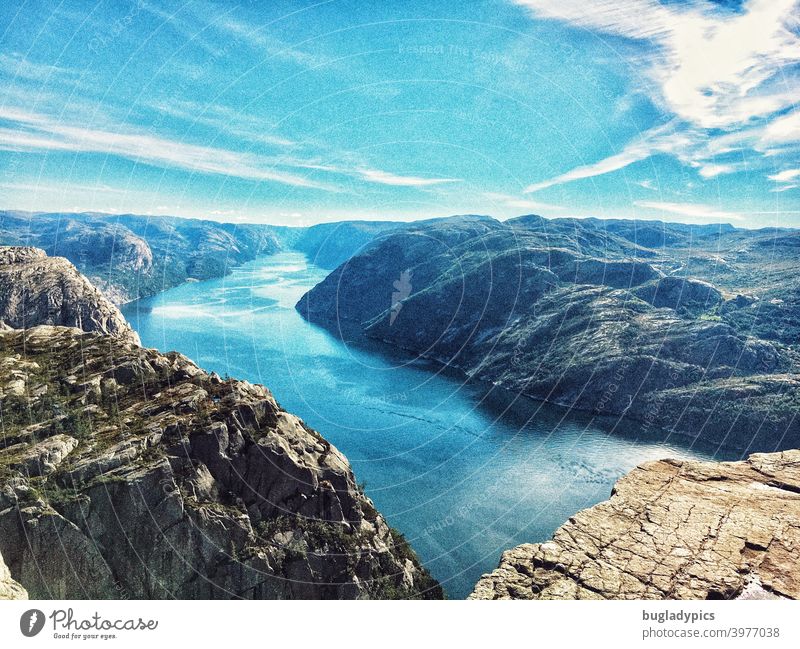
(463, 470)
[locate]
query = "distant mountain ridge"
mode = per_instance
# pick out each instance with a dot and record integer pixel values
(131, 256)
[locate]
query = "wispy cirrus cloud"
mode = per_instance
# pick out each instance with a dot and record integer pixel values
(661, 139)
(720, 74)
(258, 37)
(780, 132)
(695, 211)
(29, 132)
(786, 180)
(712, 170)
(33, 131)
(695, 148)
(20, 68)
(634, 152)
(786, 176)
(387, 178)
(249, 128)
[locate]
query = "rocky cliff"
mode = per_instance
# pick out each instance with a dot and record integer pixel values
(37, 289)
(127, 473)
(671, 530)
(9, 588)
(586, 318)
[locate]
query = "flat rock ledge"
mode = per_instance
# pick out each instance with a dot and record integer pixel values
(671, 530)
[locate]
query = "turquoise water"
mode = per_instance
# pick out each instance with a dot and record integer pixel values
(464, 471)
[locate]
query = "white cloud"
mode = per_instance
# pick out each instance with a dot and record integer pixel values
(692, 210)
(662, 139)
(258, 37)
(37, 132)
(633, 153)
(781, 131)
(712, 68)
(786, 179)
(786, 175)
(515, 202)
(19, 67)
(719, 73)
(647, 184)
(49, 134)
(248, 128)
(387, 178)
(714, 170)
(639, 19)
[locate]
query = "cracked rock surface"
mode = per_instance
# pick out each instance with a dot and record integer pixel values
(671, 530)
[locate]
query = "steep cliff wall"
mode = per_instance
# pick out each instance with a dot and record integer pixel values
(36, 289)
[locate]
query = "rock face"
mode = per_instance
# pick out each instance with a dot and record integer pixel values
(125, 472)
(9, 589)
(671, 530)
(582, 316)
(37, 289)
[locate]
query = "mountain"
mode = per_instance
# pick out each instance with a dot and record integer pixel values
(37, 289)
(329, 244)
(130, 256)
(695, 336)
(128, 473)
(671, 530)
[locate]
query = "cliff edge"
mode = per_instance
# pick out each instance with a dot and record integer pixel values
(671, 530)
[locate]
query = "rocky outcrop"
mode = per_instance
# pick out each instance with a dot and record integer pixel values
(37, 289)
(9, 589)
(671, 530)
(686, 296)
(125, 472)
(613, 336)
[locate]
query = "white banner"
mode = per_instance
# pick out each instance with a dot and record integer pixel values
(356, 624)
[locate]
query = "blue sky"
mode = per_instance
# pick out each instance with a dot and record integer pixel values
(301, 112)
